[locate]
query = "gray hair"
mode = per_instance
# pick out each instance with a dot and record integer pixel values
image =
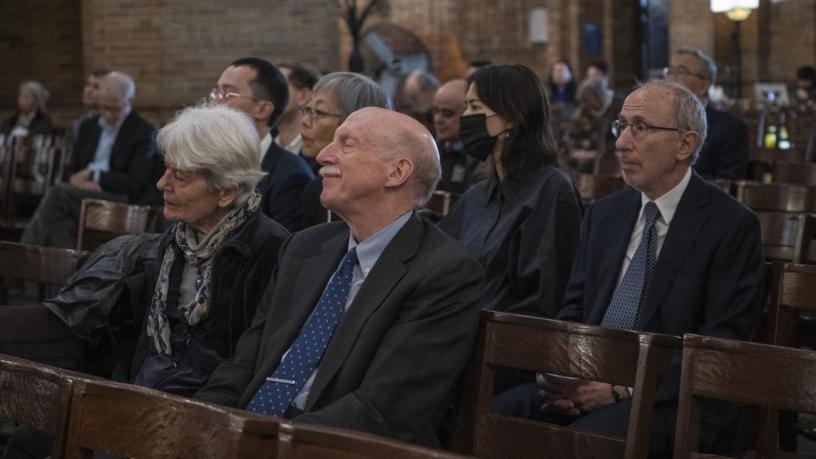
(218, 141)
(351, 92)
(688, 110)
(595, 88)
(120, 83)
(428, 171)
(38, 93)
(707, 67)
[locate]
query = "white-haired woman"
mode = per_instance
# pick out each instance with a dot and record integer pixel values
(217, 257)
(31, 117)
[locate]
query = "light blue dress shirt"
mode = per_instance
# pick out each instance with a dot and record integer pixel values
(368, 252)
(101, 162)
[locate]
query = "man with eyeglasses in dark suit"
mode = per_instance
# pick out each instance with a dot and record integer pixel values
(258, 89)
(725, 152)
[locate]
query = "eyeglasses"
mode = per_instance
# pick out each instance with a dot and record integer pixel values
(639, 129)
(681, 71)
(220, 95)
(315, 114)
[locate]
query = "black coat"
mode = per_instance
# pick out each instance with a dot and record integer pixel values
(240, 271)
(282, 186)
(134, 165)
(40, 124)
(725, 152)
(707, 279)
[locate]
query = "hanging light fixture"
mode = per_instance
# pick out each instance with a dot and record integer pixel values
(736, 10)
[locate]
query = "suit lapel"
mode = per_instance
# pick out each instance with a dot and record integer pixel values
(270, 158)
(121, 136)
(616, 242)
(685, 227)
(384, 276)
(308, 286)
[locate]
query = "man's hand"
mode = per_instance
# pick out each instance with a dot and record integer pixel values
(573, 396)
(79, 178)
(90, 185)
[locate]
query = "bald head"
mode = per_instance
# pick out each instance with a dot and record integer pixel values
(380, 165)
(397, 136)
(448, 106)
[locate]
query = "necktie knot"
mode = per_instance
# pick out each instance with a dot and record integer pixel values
(350, 258)
(652, 213)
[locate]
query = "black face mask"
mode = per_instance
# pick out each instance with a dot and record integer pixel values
(475, 139)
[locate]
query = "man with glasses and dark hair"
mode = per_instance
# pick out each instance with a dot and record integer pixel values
(725, 152)
(671, 254)
(459, 170)
(301, 79)
(258, 89)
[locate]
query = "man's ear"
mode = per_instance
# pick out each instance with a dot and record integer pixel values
(398, 172)
(688, 143)
(228, 195)
(264, 109)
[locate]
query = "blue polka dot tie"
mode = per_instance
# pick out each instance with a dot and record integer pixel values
(278, 391)
(625, 306)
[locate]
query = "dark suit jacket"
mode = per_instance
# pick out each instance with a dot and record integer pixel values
(40, 124)
(134, 164)
(397, 351)
(282, 186)
(725, 151)
(707, 278)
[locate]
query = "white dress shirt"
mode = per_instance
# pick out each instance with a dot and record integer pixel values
(667, 205)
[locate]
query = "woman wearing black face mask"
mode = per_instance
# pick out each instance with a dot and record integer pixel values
(523, 222)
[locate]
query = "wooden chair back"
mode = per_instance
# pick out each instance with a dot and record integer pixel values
(776, 197)
(588, 352)
(101, 221)
(46, 266)
(593, 187)
(440, 203)
(794, 292)
(798, 173)
(36, 396)
(301, 441)
(763, 375)
(29, 167)
(787, 236)
(133, 421)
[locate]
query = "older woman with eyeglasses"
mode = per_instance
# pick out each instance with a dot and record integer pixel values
(334, 98)
(216, 258)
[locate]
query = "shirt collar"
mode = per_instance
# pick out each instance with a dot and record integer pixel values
(667, 204)
(369, 251)
(115, 128)
(265, 143)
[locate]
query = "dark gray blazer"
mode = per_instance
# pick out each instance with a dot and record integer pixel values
(397, 351)
(707, 280)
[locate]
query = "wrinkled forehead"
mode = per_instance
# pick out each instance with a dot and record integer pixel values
(358, 127)
(648, 103)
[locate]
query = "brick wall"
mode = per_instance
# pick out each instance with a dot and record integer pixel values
(175, 50)
(40, 40)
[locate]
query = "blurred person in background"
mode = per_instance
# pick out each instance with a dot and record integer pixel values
(31, 117)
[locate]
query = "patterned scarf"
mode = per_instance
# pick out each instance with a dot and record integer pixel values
(158, 326)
